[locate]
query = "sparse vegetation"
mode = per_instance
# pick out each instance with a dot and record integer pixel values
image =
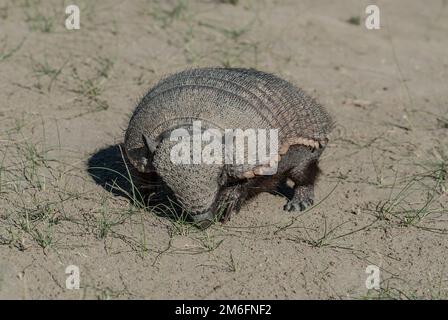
(418, 197)
(38, 21)
(43, 69)
(5, 54)
(233, 2)
(90, 88)
(355, 20)
(166, 16)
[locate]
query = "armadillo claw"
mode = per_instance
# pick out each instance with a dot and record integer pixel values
(295, 205)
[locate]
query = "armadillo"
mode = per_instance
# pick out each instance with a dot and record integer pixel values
(229, 98)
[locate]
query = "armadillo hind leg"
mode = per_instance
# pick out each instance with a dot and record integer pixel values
(304, 174)
(302, 199)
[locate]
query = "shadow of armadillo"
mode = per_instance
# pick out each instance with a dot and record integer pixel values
(110, 169)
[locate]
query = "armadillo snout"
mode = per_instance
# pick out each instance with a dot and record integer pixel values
(139, 158)
(203, 220)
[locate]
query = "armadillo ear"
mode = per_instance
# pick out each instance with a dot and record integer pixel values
(150, 144)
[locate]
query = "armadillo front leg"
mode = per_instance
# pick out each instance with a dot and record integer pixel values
(304, 175)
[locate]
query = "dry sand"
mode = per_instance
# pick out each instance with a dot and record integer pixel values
(66, 97)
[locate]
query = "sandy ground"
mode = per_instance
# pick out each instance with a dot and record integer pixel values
(66, 97)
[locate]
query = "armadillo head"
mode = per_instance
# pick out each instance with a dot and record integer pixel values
(194, 185)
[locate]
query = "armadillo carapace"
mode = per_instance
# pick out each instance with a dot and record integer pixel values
(223, 99)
